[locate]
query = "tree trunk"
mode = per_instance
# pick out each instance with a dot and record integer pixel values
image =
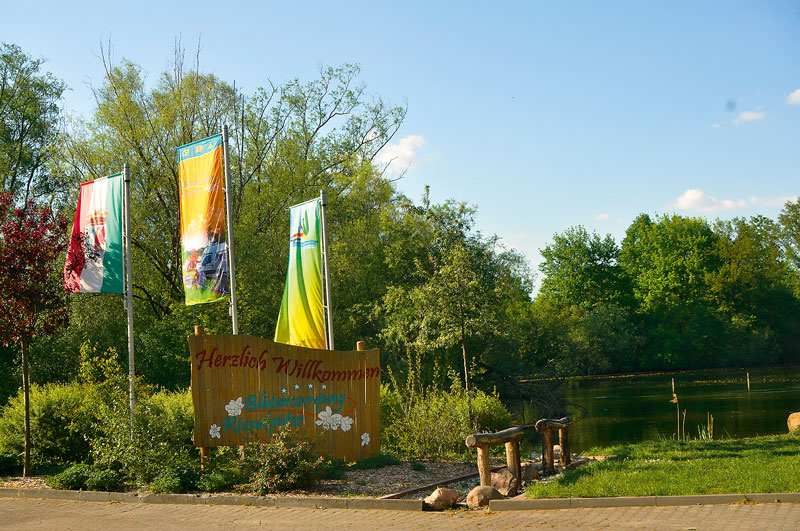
(26, 464)
(466, 371)
(466, 382)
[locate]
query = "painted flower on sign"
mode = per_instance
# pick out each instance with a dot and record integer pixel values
(346, 423)
(328, 419)
(214, 432)
(364, 439)
(234, 407)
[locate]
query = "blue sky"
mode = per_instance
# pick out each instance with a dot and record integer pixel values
(543, 114)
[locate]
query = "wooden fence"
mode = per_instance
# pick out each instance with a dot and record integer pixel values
(245, 388)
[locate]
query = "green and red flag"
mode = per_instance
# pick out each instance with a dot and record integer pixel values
(300, 320)
(94, 258)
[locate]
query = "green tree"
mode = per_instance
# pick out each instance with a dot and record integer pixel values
(669, 261)
(287, 143)
(752, 292)
(581, 269)
(29, 124)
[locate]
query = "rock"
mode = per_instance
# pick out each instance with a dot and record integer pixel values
(794, 421)
(529, 472)
(505, 482)
(577, 462)
(557, 450)
(481, 496)
(441, 499)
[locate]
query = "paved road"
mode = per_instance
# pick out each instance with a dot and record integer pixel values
(34, 514)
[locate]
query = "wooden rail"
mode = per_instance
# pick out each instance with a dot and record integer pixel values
(511, 436)
(545, 427)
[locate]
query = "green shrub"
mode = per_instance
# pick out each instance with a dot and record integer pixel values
(73, 478)
(218, 480)
(10, 464)
(106, 480)
(176, 479)
(289, 461)
(434, 422)
(163, 421)
(60, 427)
(378, 461)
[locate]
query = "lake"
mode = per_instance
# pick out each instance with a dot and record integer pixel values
(622, 409)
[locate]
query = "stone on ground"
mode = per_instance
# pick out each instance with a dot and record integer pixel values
(529, 471)
(441, 499)
(505, 482)
(794, 421)
(481, 496)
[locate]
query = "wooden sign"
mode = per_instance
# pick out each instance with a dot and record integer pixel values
(245, 388)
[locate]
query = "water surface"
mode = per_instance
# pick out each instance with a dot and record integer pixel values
(637, 408)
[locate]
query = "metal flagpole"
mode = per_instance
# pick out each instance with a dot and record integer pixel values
(327, 305)
(231, 269)
(126, 177)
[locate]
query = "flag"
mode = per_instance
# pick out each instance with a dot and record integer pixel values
(203, 240)
(94, 258)
(300, 320)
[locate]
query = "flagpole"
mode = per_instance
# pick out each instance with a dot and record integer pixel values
(329, 323)
(231, 269)
(126, 177)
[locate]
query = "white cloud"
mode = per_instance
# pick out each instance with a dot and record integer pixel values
(697, 200)
(605, 216)
(401, 155)
(794, 98)
(715, 126)
(772, 201)
(749, 116)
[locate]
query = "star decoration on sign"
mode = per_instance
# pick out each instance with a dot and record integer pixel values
(311, 386)
(297, 386)
(324, 386)
(283, 390)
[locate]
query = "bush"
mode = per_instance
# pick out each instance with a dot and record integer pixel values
(219, 480)
(106, 480)
(10, 464)
(434, 422)
(289, 461)
(176, 479)
(60, 428)
(73, 478)
(163, 422)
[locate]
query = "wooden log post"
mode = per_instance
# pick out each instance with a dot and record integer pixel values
(545, 427)
(361, 345)
(512, 457)
(548, 460)
(563, 440)
(484, 469)
(482, 441)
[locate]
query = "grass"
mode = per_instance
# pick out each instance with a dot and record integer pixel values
(666, 468)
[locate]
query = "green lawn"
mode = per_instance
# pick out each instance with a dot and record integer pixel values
(664, 468)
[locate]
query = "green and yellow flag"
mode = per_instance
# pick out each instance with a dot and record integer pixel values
(300, 320)
(203, 237)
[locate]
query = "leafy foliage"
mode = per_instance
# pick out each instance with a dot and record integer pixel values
(59, 425)
(29, 124)
(426, 421)
(287, 462)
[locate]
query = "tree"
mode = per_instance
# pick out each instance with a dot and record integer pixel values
(29, 119)
(581, 269)
(669, 261)
(32, 245)
(286, 143)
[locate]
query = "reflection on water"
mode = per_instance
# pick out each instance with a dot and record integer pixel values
(637, 408)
